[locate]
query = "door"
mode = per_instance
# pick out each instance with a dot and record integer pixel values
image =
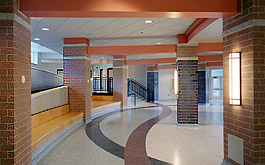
(110, 72)
(217, 88)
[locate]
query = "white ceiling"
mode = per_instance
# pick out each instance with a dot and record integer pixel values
(109, 31)
(117, 32)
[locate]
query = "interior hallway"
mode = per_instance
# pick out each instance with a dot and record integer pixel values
(121, 135)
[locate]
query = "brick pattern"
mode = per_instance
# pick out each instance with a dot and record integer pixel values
(187, 51)
(187, 101)
(247, 121)
(11, 6)
(252, 9)
(120, 83)
(76, 73)
(15, 97)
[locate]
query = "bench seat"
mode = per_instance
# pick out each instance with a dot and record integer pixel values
(44, 131)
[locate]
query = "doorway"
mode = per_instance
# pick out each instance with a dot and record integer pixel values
(216, 90)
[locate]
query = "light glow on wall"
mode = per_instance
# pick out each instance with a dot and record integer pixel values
(176, 83)
(234, 79)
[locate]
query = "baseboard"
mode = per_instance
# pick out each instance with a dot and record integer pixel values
(188, 125)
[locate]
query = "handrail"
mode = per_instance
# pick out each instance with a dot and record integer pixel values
(138, 89)
(103, 84)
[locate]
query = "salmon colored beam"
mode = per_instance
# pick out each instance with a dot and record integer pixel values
(131, 8)
(210, 58)
(195, 28)
(150, 61)
(214, 64)
(149, 49)
(131, 50)
(210, 47)
(171, 66)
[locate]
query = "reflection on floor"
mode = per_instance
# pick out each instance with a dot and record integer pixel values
(99, 101)
(112, 138)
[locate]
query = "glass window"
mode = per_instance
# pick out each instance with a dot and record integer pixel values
(34, 58)
(216, 93)
(217, 72)
(216, 83)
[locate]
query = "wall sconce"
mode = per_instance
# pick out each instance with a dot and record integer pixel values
(235, 79)
(176, 82)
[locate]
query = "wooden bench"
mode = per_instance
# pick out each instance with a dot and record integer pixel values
(46, 124)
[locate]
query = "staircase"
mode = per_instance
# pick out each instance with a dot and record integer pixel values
(138, 91)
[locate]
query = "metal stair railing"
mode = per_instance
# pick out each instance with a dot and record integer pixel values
(137, 89)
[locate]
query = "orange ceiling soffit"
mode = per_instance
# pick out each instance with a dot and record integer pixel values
(76, 41)
(210, 47)
(131, 9)
(214, 64)
(151, 61)
(131, 50)
(209, 58)
(171, 66)
(195, 28)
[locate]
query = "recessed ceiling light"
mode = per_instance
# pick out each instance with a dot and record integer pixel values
(158, 43)
(36, 39)
(148, 21)
(45, 29)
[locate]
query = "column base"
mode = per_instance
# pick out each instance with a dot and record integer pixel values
(188, 125)
(225, 162)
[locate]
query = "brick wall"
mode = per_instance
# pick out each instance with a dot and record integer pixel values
(15, 96)
(187, 101)
(246, 121)
(76, 66)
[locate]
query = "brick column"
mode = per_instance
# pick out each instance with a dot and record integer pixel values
(202, 91)
(120, 83)
(15, 85)
(152, 83)
(187, 101)
(76, 73)
(244, 126)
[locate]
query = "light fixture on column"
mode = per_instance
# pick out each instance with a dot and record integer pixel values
(234, 79)
(176, 82)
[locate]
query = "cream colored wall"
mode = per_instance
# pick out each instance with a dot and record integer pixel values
(96, 72)
(165, 80)
(138, 72)
(51, 67)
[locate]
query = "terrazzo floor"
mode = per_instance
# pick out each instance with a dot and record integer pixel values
(146, 134)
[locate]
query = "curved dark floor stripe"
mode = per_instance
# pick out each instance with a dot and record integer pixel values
(135, 149)
(94, 133)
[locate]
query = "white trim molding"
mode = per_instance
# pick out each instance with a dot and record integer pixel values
(15, 17)
(187, 58)
(245, 25)
(76, 58)
(120, 67)
(75, 45)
